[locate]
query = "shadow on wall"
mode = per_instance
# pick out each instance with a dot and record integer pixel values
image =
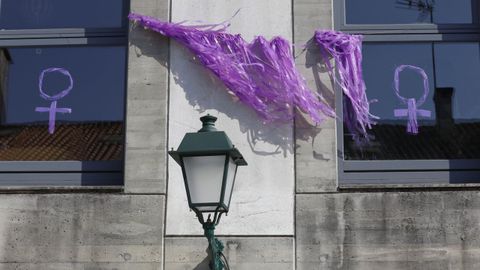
(204, 91)
(147, 43)
(205, 264)
(305, 129)
(315, 62)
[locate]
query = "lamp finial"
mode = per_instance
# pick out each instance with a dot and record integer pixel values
(208, 122)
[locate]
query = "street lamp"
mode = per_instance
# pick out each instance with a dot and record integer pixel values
(209, 164)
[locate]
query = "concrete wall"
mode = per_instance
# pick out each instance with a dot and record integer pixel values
(81, 231)
(377, 229)
(286, 211)
(389, 230)
(102, 229)
(243, 253)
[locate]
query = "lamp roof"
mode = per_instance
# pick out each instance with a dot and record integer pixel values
(207, 141)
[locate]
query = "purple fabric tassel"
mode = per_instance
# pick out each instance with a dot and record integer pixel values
(346, 50)
(53, 110)
(412, 104)
(261, 73)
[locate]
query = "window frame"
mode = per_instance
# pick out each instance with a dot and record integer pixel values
(368, 173)
(44, 174)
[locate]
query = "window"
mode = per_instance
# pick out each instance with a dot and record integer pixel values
(440, 42)
(62, 92)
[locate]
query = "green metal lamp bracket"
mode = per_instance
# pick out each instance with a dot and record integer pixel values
(215, 246)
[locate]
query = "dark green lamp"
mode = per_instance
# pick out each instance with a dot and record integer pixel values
(209, 164)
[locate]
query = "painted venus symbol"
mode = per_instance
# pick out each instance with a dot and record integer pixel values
(412, 104)
(53, 110)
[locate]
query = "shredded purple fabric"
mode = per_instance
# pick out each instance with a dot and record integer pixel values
(53, 110)
(412, 104)
(261, 73)
(346, 50)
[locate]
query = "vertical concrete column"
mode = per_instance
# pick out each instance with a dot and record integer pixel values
(316, 150)
(258, 231)
(262, 202)
(147, 102)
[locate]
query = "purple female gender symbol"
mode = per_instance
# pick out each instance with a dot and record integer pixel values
(412, 105)
(53, 110)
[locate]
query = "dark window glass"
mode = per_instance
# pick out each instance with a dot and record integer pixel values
(89, 120)
(458, 66)
(452, 131)
(456, 12)
(411, 11)
(38, 14)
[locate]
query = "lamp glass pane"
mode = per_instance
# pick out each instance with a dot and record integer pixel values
(232, 170)
(204, 177)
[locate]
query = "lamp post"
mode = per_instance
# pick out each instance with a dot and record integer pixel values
(209, 164)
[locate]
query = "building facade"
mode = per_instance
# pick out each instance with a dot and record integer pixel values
(293, 207)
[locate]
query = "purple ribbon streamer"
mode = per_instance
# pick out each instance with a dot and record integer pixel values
(53, 110)
(412, 110)
(260, 73)
(346, 50)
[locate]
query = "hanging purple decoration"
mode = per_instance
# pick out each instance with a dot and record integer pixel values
(261, 73)
(53, 110)
(412, 104)
(346, 50)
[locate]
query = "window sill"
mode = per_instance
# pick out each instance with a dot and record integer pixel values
(59, 189)
(347, 187)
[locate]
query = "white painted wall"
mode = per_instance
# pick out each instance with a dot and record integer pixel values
(263, 198)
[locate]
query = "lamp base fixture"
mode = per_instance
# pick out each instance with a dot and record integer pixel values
(215, 246)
